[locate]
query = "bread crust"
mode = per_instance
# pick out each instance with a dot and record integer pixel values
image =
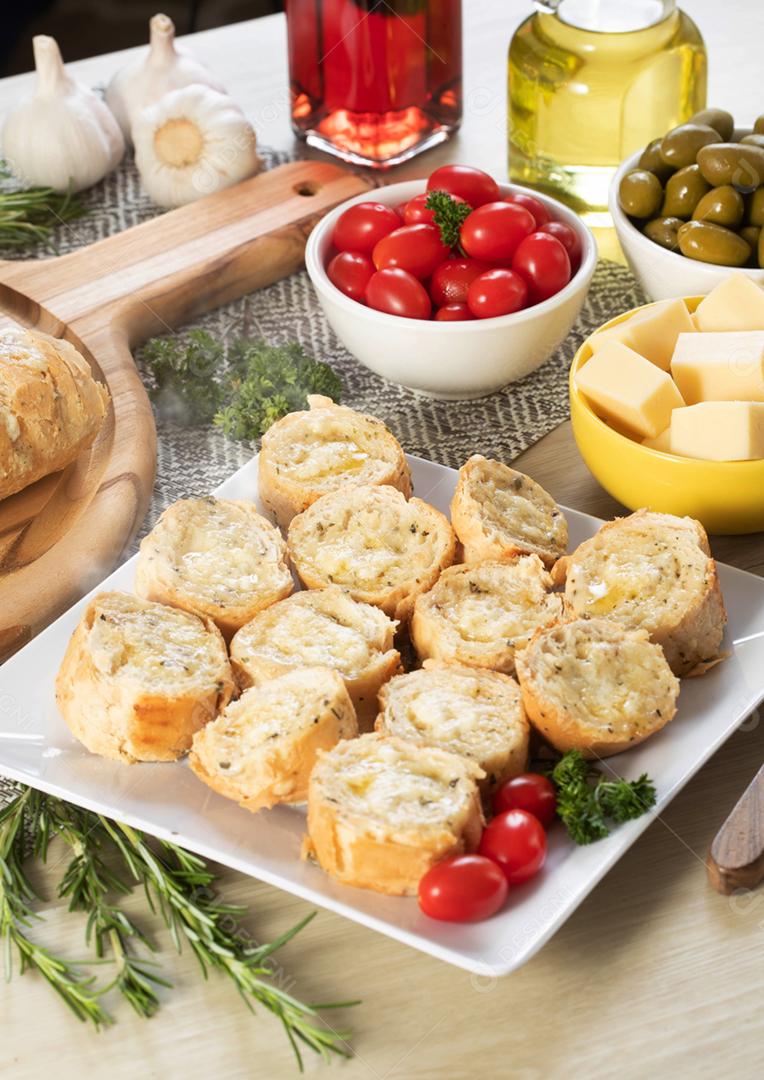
(594, 686)
(654, 571)
(325, 448)
(51, 407)
(120, 713)
(382, 548)
(390, 854)
(180, 560)
(499, 513)
(308, 709)
(320, 627)
(480, 614)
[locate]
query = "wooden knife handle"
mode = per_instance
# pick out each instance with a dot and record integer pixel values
(736, 858)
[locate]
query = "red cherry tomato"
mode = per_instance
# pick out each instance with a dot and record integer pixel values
(400, 210)
(493, 232)
(465, 888)
(397, 292)
(473, 185)
(517, 842)
(363, 225)
(542, 261)
(452, 279)
(453, 313)
(536, 207)
(496, 292)
(350, 272)
(416, 213)
(531, 792)
(416, 248)
(569, 239)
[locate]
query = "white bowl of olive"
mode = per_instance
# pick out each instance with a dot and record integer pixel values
(689, 208)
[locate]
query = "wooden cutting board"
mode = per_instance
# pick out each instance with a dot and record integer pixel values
(60, 536)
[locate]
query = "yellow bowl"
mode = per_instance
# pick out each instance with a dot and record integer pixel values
(726, 496)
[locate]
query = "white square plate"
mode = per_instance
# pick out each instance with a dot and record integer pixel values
(168, 801)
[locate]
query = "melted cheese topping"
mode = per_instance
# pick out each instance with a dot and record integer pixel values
(511, 506)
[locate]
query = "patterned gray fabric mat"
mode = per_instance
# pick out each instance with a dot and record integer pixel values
(193, 461)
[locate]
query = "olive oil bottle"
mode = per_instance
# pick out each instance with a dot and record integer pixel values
(591, 81)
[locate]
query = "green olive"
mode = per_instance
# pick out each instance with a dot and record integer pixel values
(751, 234)
(758, 127)
(718, 119)
(761, 249)
(722, 205)
(754, 213)
(663, 230)
(681, 146)
(684, 190)
(651, 160)
(753, 140)
(710, 243)
(739, 164)
(640, 193)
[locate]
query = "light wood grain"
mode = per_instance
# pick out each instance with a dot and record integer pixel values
(736, 858)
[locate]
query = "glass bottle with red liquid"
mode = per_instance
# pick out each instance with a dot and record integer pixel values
(375, 81)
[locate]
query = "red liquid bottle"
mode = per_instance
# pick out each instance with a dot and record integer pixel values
(375, 81)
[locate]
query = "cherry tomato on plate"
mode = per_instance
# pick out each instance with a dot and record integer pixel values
(473, 185)
(416, 213)
(517, 842)
(453, 313)
(531, 792)
(350, 272)
(569, 239)
(464, 888)
(536, 207)
(543, 263)
(493, 232)
(400, 210)
(451, 280)
(416, 248)
(496, 292)
(363, 225)
(397, 292)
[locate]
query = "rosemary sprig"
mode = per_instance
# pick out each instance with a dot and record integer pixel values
(28, 215)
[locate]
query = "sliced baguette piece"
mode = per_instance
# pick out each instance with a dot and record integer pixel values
(654, 572)
(382, 548)
(480, 615)
(498, 513)
(261, 749)
(320, 627)
(139, 679)
(217, 558)
(326, 448)
(478, 714)
(382, 811)
(594, 686)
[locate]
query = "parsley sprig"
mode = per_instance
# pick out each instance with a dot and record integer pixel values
(449, 215)
(587, 800)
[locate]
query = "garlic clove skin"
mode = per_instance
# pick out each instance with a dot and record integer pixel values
(192, 142)
(63, 136)
(149, 77)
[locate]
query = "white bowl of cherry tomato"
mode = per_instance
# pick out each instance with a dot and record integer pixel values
(453, 286)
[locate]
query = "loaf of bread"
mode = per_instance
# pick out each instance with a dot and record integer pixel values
(654, 572)
(262, 748)
(498, 513)
(383, 548)
(327, 448)
(480, 615)
(478, 714)
(382, 811)
(138, 679)
(51, 407)
(320, 627)
(594, 686)
(215, 557)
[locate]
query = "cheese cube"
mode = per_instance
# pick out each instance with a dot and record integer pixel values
(660, 442)
(719, 430)
(652, 332)
(737, 303)
(628, 390)
(720, 366)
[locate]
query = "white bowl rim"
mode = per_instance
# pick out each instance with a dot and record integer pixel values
(320, 279)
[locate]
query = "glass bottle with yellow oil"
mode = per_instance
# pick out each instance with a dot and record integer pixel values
(591, 81)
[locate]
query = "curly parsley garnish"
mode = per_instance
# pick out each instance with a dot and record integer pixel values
(587, 801)
(449, 215)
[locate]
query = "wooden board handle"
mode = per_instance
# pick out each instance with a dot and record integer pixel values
(736, 858)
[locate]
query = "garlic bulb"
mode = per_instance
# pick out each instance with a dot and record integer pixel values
(62, 137)
(191, 143)
(144, 81)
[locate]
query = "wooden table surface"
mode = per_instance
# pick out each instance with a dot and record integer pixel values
(655, 974)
